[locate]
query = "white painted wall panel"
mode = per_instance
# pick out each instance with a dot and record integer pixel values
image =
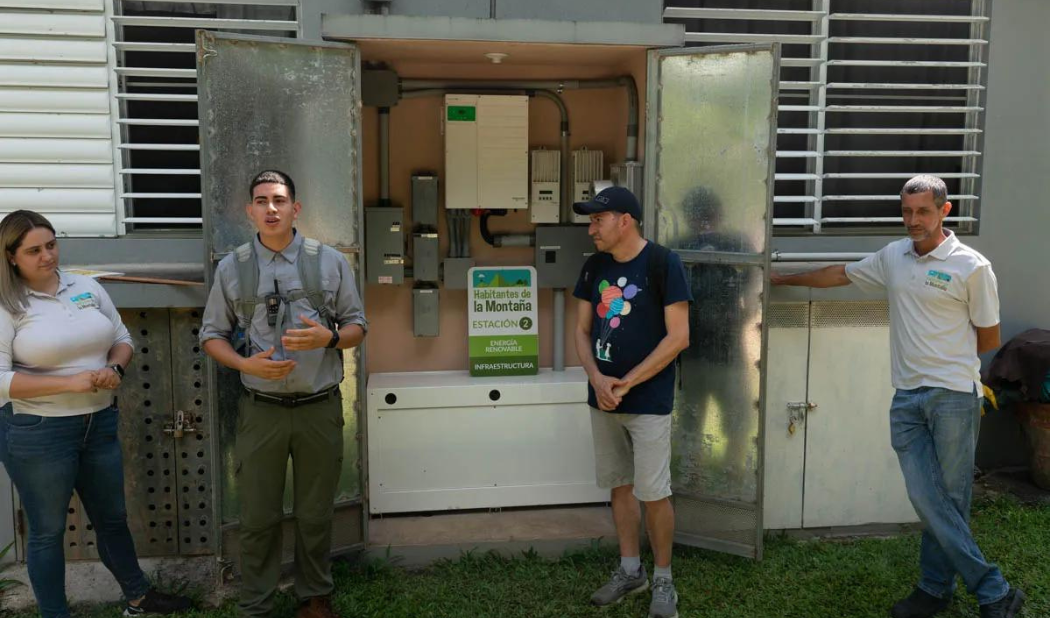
(70, 76)
(16, 150)
(53, 24)
(88, 126)
(59, 200)
(70, 5)
(80, 224)
(54, 100)
(56, 125)
(56, 175)
(40, 49)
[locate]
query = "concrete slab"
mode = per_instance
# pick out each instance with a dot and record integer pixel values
(88, 581)
(418, 540)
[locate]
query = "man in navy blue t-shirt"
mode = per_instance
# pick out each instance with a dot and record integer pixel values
(629, 330)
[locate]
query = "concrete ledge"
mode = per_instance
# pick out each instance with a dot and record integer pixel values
(354, 27)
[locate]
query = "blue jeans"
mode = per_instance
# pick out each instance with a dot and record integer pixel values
(49, 457)
(934, 432)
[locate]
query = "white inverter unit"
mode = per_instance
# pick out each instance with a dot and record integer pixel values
(486, 151)
(545, 198)
(587, 166)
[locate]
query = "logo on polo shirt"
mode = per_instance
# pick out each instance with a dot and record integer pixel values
(937, 279)
(84, 301)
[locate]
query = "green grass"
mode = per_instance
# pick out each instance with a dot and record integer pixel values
(805, 579)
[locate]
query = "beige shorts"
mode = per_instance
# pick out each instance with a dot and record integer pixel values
(633, 449)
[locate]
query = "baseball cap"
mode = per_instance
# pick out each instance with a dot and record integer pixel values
(612, 199)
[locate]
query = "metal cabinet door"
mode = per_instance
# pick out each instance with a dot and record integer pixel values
(295, 106)
(852, 474)
(710, 148)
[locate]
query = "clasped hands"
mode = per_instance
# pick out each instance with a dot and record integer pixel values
(105, 378)
(610, 391)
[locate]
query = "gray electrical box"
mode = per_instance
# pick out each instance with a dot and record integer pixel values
(425, 262)
(379, 88)
(425, 200)
(561, 251)
(384, 246)
(456, 272)
(426, 312)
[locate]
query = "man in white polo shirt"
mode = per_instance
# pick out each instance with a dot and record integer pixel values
(944, 311)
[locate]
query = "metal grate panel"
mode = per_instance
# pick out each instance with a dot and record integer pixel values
(167, 480)
(150, 467)
(190, 395)
(722, 526)
(80, 535)
(867, 314)
(788, 315)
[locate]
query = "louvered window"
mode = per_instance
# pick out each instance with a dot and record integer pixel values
(159, 160)
(56, 133)
(872, 92)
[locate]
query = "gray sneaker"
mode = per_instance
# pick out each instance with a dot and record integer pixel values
(620, 585)
(665, 599)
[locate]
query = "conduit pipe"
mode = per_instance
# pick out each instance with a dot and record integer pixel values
(778, 256)
(558, 351)
(384, 156)
(556, 86)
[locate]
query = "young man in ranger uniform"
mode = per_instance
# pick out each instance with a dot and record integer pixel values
(298, 305)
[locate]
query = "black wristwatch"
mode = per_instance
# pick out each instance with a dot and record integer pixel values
(118, 369)
(334, 341)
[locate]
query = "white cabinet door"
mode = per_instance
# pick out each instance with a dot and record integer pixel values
(852, 476)
(785, 457)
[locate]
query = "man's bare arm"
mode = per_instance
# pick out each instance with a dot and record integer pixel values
(603, 385)
(987, 338)
(828, 277)
(676, 317)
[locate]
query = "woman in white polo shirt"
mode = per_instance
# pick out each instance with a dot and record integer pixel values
(63, 350)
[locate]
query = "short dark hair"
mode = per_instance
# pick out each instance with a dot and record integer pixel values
(927, 182)
(272, 176)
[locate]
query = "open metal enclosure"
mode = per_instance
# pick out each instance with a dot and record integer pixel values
(264, 104)
(711, 132)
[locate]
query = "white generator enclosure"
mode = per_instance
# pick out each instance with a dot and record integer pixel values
(441, 441)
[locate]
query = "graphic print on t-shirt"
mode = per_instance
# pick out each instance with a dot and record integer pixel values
(614, 308)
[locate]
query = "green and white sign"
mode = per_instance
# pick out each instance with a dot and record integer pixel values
(502, 327)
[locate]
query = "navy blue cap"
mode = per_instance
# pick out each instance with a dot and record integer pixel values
(612, 199)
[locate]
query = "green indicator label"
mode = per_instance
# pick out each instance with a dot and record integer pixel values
(462, 113)
(494, 346)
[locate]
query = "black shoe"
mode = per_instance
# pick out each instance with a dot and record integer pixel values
(919, 604)
(156, 602)
(1007, 607)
